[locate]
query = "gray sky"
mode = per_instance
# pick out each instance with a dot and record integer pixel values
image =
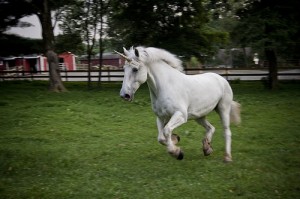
(33, 31)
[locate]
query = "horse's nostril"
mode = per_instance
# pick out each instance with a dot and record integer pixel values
(127, 96)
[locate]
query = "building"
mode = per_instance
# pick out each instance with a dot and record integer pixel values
(108, 59)
(37, 63)
(32, 63)
(67, 61)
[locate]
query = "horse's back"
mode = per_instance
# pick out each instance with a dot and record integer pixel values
(209, 82)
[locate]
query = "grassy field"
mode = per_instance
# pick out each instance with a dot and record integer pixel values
(91, 144)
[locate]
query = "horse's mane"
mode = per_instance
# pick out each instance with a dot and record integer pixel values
(150, 55)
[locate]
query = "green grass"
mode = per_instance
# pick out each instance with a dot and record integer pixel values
(91, 144)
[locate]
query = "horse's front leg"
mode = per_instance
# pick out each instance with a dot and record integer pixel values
(176, 120)
(161, 137)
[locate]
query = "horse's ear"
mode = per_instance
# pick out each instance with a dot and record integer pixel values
(136, 52)
(125, 51)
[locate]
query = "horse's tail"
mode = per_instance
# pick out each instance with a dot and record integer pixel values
(235, 112)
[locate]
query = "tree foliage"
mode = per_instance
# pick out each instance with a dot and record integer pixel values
(11, 11)
(270, 24)
(175, 25)
(185, 27)
(71, 42)
(41, 8)
(85, 18)
(13, 45)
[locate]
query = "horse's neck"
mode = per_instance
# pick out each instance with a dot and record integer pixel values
(159, 78)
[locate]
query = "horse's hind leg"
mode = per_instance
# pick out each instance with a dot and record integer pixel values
(224, 112)
(210, 129)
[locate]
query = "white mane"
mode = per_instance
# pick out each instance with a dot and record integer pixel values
(150, 55)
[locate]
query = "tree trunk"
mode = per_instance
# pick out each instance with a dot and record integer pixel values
(272, 59)
(89, 69)
(100, 60)
(100, 55)
(55, 82)
(101, 49)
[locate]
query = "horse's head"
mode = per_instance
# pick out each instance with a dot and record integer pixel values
(135, 73)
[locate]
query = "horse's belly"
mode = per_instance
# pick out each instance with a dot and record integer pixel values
(195, 97)
(201, 110)
(197, 110)
(204, 95)
(202, 104)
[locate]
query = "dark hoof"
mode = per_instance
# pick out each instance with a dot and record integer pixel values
(208, 151)
(180, 156)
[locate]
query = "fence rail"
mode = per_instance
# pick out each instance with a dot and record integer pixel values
(117, 75)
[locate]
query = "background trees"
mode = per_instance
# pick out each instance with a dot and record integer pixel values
(15, 45)
(271, 26)
(12, 11)
(188, 28)
(85, 19)
(174, 25)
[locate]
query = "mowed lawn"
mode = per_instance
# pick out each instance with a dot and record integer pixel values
(91, 144)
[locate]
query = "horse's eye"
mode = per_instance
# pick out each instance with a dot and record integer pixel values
(134, 70)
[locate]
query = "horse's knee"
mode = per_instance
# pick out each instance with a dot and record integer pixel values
(162, 141)
(175, 138)
(212, 129)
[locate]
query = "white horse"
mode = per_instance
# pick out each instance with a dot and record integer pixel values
(177, 97)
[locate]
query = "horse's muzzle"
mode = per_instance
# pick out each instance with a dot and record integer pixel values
(126, 97)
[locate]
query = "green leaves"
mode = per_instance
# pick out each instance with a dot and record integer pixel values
(174, 25)
(272, 24)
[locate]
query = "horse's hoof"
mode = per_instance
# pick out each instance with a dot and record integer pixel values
(175, 138)
(208, 151)
(180, 155)
(227, 159)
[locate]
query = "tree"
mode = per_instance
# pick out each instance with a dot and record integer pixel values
(43, 11)
(274, 25)
(223, 19)
(103, 12)
(12, 11)
(16, 45)
(69, 42)
(86, 18)
(175, 25)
